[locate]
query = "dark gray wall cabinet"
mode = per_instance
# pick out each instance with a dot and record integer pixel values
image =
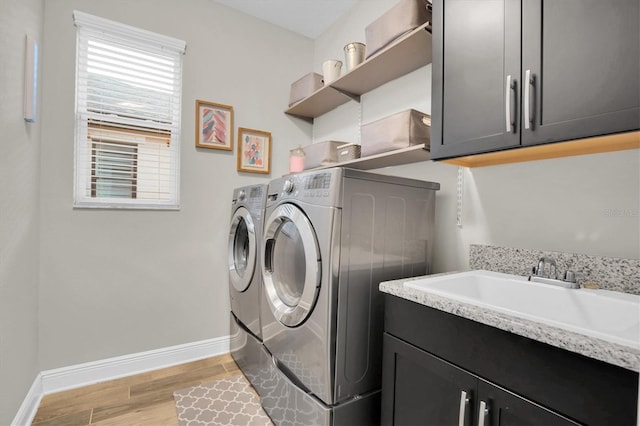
(430, 357)
(513, 73)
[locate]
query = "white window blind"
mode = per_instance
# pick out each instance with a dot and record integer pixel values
(128, 106)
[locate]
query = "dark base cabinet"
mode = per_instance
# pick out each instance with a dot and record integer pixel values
(441, 369)
(421, 389)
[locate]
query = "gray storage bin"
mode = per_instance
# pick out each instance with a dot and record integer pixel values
(349, 151)
(321, 154)
(400, 19)
(400, 130)
(304, 86)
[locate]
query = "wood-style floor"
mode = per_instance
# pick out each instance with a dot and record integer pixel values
(143, 399)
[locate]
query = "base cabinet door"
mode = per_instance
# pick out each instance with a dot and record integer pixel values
(503, 408)
(419, 388)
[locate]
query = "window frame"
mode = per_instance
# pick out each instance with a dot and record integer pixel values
(94, 28)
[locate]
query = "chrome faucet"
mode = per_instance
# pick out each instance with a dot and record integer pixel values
(542, 271)
(546, 272)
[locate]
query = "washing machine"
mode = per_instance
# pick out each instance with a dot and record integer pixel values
(245, 279)
(330, 237)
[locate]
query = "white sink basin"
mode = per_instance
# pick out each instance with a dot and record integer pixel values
(607, 315)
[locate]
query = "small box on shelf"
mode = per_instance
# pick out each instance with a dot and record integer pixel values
(400, 130)
(400, 19)
(349, 151)
(321, 154)
(304, 86)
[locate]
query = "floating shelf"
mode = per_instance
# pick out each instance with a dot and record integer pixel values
(408, 53)
(319, 102)
(411, 154)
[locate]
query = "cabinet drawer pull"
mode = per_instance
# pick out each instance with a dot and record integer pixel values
(483, 413)
(529, 80)
(464, 401)
(507, 104)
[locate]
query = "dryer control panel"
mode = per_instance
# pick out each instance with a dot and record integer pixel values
(316, 186)
(313, 187)
(318, 181)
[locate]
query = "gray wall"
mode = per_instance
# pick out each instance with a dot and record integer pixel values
(587, 204)
(121, 282)
(19, 172)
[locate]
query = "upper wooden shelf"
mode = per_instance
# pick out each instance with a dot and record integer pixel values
(406, 54)
(322, 100)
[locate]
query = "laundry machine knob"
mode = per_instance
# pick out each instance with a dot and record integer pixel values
(242, 195)
(288, 186)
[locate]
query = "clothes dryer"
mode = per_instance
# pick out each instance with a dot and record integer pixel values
(330, 237)
(245, 278)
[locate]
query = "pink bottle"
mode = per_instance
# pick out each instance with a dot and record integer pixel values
(296, 160)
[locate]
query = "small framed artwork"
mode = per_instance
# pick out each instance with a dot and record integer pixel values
(254, 151)
(214, 125)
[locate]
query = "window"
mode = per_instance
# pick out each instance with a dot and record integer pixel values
(128, 105)
(113, 173)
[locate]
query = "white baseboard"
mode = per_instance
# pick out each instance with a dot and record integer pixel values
(90, 373)
(29, 406)
(75, 376)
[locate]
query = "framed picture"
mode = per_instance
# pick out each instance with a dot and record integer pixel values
(214, 125)
(254, 151)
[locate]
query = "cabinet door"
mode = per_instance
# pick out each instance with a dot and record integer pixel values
(476, 72)
(504, 408)
(420, 389)
(583, 59)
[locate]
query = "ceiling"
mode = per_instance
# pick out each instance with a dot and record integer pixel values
(309, 18)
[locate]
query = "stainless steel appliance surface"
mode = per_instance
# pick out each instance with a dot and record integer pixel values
(245, 278)
(330, 237)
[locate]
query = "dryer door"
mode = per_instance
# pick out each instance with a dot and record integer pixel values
(242, 249)
(291, 267)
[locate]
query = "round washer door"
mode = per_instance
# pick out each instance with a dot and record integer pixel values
(291, 267)
(242, 249)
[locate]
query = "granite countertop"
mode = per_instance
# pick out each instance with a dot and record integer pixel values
(612, 353)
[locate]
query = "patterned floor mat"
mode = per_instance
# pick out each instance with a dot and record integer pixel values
(228, 401)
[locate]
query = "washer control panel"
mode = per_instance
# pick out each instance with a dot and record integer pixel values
(249, 196)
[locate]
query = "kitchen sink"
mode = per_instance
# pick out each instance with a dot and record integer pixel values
(607, 315)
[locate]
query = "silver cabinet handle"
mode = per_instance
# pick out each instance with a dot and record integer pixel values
(484, 411)
(507, 104)
(528, 81)
(464, 401)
